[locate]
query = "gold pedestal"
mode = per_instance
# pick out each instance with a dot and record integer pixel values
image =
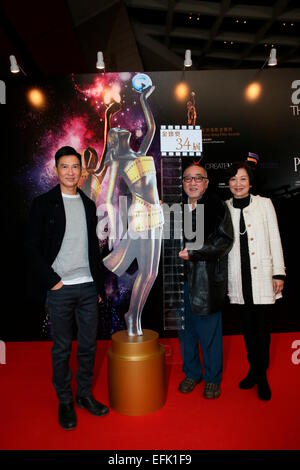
(136, 373)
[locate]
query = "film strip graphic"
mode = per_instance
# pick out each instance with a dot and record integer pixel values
(172, 265)
(176, 143)
(184, 141)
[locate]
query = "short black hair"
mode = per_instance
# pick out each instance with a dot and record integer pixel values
(233, 169)
(65, 151)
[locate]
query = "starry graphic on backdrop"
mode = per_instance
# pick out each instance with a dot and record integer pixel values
(79, 122)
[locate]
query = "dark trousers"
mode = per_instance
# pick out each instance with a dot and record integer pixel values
(78, 302)
(255, 323)
(206, 329)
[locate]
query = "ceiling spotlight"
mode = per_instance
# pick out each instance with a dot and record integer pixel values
(100, 61)
(14, 68)
(272, 58)
(188, 59)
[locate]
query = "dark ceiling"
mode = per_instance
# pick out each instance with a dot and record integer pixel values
(63, 36)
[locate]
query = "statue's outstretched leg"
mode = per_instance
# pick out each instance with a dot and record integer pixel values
(132, 325)
(156, 235)
(148, 255)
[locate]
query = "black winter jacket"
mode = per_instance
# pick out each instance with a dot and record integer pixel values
(46, 228)
(207, 267)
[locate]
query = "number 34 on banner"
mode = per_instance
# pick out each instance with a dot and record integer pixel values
(181, 140)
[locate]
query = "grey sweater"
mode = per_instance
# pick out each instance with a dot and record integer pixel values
(72, 261)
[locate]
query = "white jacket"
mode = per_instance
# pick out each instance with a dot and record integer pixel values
(265, 251)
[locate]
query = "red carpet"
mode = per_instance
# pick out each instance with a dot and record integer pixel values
(237, 420)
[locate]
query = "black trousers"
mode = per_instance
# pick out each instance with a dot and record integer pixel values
(256, 329)
(77, 302)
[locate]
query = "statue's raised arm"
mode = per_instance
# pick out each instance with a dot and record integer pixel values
(149, 120)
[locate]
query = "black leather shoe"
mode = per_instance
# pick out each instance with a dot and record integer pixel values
(249, 381)
(93, 406)
(66, 416)
(187, 385)
(263, 389)
(211, 390)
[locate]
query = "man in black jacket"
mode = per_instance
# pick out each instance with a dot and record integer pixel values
(65, 263)
(205, 286)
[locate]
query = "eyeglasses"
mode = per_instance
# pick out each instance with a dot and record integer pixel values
(197, 178)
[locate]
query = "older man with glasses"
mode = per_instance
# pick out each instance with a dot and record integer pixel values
(205, 284)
